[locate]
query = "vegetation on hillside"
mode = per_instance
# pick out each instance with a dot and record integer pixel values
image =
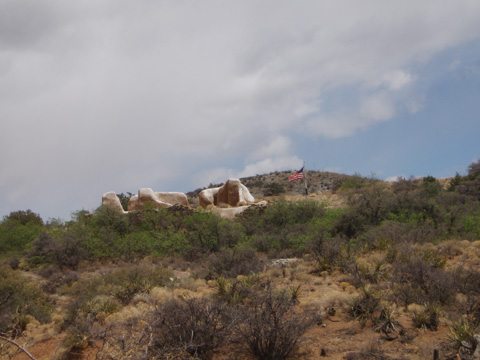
(105, 274)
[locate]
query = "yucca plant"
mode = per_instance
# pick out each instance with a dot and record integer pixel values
(462, 335)
(387, 324)
(427, 318)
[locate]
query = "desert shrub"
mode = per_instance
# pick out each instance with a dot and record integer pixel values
(235, 291)
(403, 185)
(474, 169)
(470, 188)
(17, 231)
(56, 278)
(282, 213)
(189, 326)
(106, 218)
(367, 207)
(231, 233)
(127, 282)
(468, 185)
(327, 252)
(24, 217)
(123, 284)
(368, 273)
(462, 336)
(157, 220)
(273, 189)
(134, 245)
(203, 231)
(234, 262)
(269, 328)
(470, 224)
(356, 181)
(427, 317)
(95, 298)
(170, 243)
(423, 280)
(20, 301)
(365, 306)
(387, 324)
(385, 236)
(431, 187)
(326, 222)
(66, 251)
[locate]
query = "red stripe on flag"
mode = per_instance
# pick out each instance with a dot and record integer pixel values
(295, 176)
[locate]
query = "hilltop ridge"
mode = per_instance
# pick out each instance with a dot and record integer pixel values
(276, 183)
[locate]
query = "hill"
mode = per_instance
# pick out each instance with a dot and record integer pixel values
(373, 270)
(276, 183)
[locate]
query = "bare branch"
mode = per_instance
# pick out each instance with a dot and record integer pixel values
(17, 345)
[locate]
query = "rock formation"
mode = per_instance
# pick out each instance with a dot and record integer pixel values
(111, 200)
(208, 197)
(159, 200)
(232, 193)
(146, 198)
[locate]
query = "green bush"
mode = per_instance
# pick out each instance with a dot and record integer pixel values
(17, 231)
(203, 231)
(356, 181)
(106, 218)
(282, 213)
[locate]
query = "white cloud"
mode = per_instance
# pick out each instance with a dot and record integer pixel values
(377, 108)
(281, 145)
(217, 175)
(397, 79)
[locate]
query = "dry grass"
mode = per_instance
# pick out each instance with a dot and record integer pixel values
(338, 335)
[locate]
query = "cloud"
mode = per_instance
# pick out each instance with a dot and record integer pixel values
(266, 165)
(115, 95)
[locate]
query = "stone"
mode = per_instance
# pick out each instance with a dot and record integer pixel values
(111, 200)
(157, 200)
(232, 193)
(173, 198)
(208, 197)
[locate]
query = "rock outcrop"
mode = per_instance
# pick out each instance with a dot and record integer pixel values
(111, 200)
(146, 199)
(208, 197)
(232, 193)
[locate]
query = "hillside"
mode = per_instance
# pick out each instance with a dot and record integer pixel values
(275, 183)
(359, 269)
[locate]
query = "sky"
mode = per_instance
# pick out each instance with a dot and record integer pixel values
(117, 95)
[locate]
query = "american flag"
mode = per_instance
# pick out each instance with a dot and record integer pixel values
(298, 175)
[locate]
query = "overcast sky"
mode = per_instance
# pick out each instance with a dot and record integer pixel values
(115, 95)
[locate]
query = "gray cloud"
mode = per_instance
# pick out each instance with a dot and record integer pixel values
(116, 95)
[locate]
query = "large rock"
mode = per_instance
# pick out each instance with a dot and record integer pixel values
(111, 200)
(208, 197)
(173, 198)
(158, 200)
(232, 193)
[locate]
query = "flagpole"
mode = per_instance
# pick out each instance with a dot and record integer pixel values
(305, 178)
